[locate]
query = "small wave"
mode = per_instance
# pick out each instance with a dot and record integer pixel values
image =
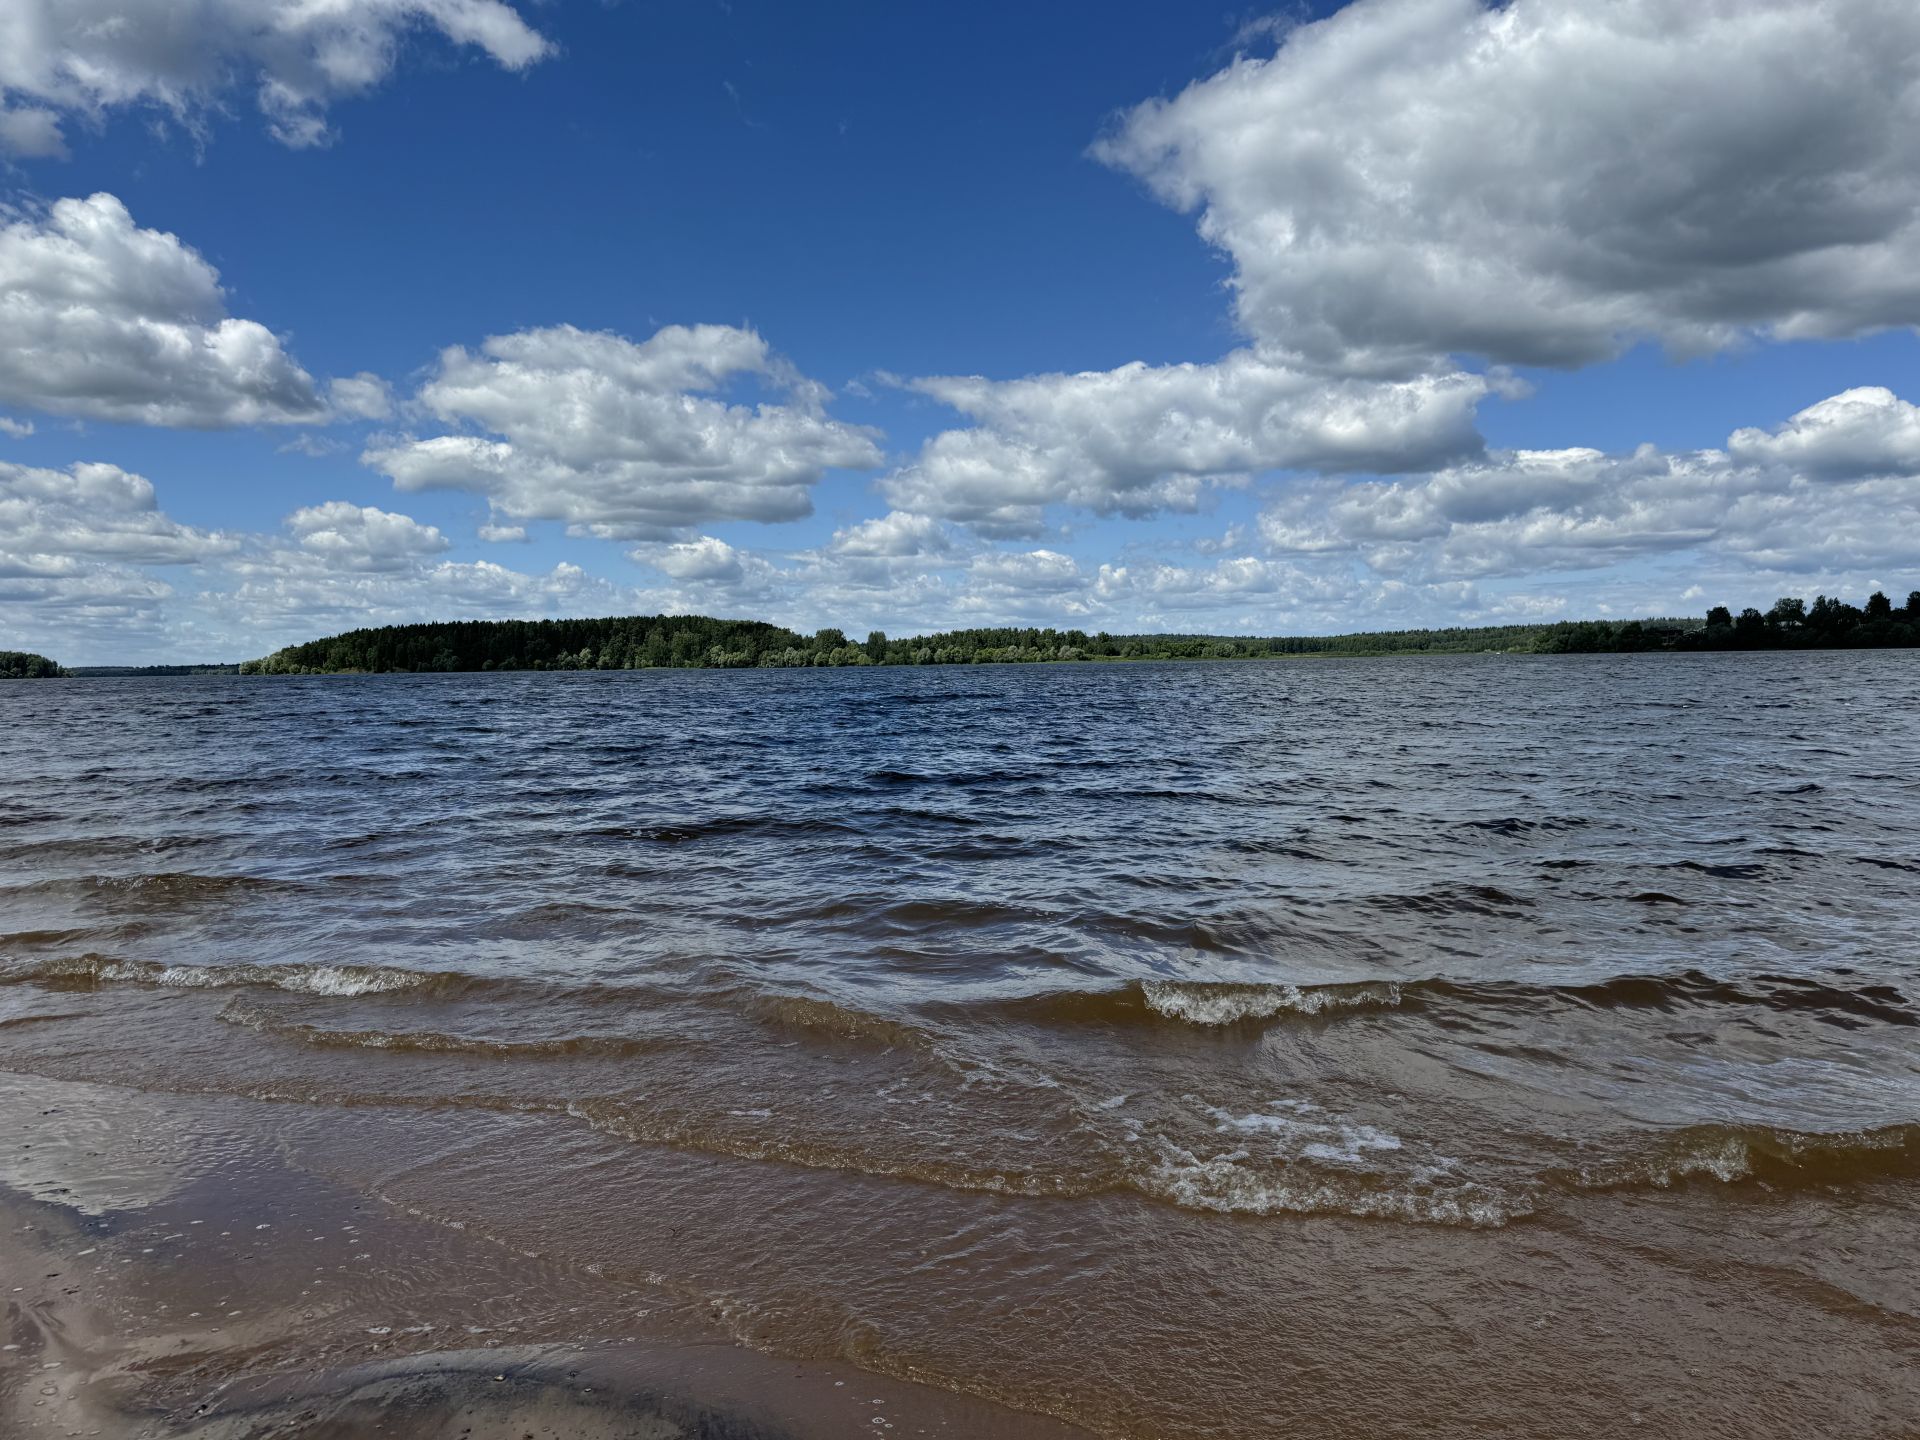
(39, 939)
(166, 889)
(894, 700)
(1285, 850)
(751, 1137)
(1226, 1004)
(1196, 1002)
(15, 1022)
(269, 1022)
(871, 915)
(1226, 1184)
(1521, 825)
(718, 826)
(958, 779)
(339, 980)
(1455, 900)
(818, 1015)
(1884, 863)
(1721, 872)
(1223, 1184)
(1759, 1155)
(1688, 989)
(1221, 1004)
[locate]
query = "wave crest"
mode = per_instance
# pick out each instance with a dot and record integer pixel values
(336, 980)
(1200, 1003)
(268, 1021)
(1226, 1185)
(1760, 1155)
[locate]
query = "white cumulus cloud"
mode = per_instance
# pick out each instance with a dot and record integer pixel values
(95, 512)
(1143, 439)
(85, 58)
(1859, 433)
(360, 397)
(1547, 181)
(1835, 488)
(106, 321)
(362, 537)
(626, 440)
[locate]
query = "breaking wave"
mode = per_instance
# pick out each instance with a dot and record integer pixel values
(1225, 1004)
(1226, 1184)
(343, 980)
(1195, 1002)
(1759, 1155)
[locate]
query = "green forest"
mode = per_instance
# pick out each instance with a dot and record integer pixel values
(25, 665)
(697, 642)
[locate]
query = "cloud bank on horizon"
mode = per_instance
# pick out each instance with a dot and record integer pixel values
(1430, 213)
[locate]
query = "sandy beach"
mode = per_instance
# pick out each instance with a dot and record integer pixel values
(164, 1285)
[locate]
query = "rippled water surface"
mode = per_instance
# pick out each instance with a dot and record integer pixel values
(1229, 1049)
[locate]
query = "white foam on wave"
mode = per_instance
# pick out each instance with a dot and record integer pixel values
(1329, 1141)
(1232, 1183)
(1204, 1003)
(334, 980)
(1726, 1160)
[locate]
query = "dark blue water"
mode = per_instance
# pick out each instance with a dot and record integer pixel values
(1607, 963)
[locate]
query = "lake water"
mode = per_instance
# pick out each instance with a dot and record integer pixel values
(1453, 1046)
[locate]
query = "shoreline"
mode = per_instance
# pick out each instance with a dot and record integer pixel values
(190, 1318)
(210, 672)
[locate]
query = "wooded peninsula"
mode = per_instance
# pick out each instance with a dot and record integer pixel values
(698, 642)
(25, 665)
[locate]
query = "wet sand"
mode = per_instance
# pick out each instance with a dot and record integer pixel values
(195, 1266)
(146, 1300)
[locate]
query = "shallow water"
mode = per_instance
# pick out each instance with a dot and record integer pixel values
(1228, 1049)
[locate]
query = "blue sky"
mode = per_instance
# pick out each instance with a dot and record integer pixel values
(1344, 319)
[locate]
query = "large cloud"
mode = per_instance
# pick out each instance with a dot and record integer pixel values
(625, 440)
(1141, 439)
(74, 547)
(1546, 181)
(103, 320)
(361, 537)
(94, 512)
(1863, 432)
(62, 58)
(1837, 487)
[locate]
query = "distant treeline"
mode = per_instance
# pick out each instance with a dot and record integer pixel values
(24, 665)
(1790, 624)
(141, 671)
(696, 642)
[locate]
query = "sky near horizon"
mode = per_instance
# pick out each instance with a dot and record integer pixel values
(1116, 316)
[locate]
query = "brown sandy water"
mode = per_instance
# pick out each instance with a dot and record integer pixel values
(1491, 1046)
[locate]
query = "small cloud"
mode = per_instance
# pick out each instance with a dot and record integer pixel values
(360, 397)
(31, 133)
(503, 534)
(312, 446)
(18, 429)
